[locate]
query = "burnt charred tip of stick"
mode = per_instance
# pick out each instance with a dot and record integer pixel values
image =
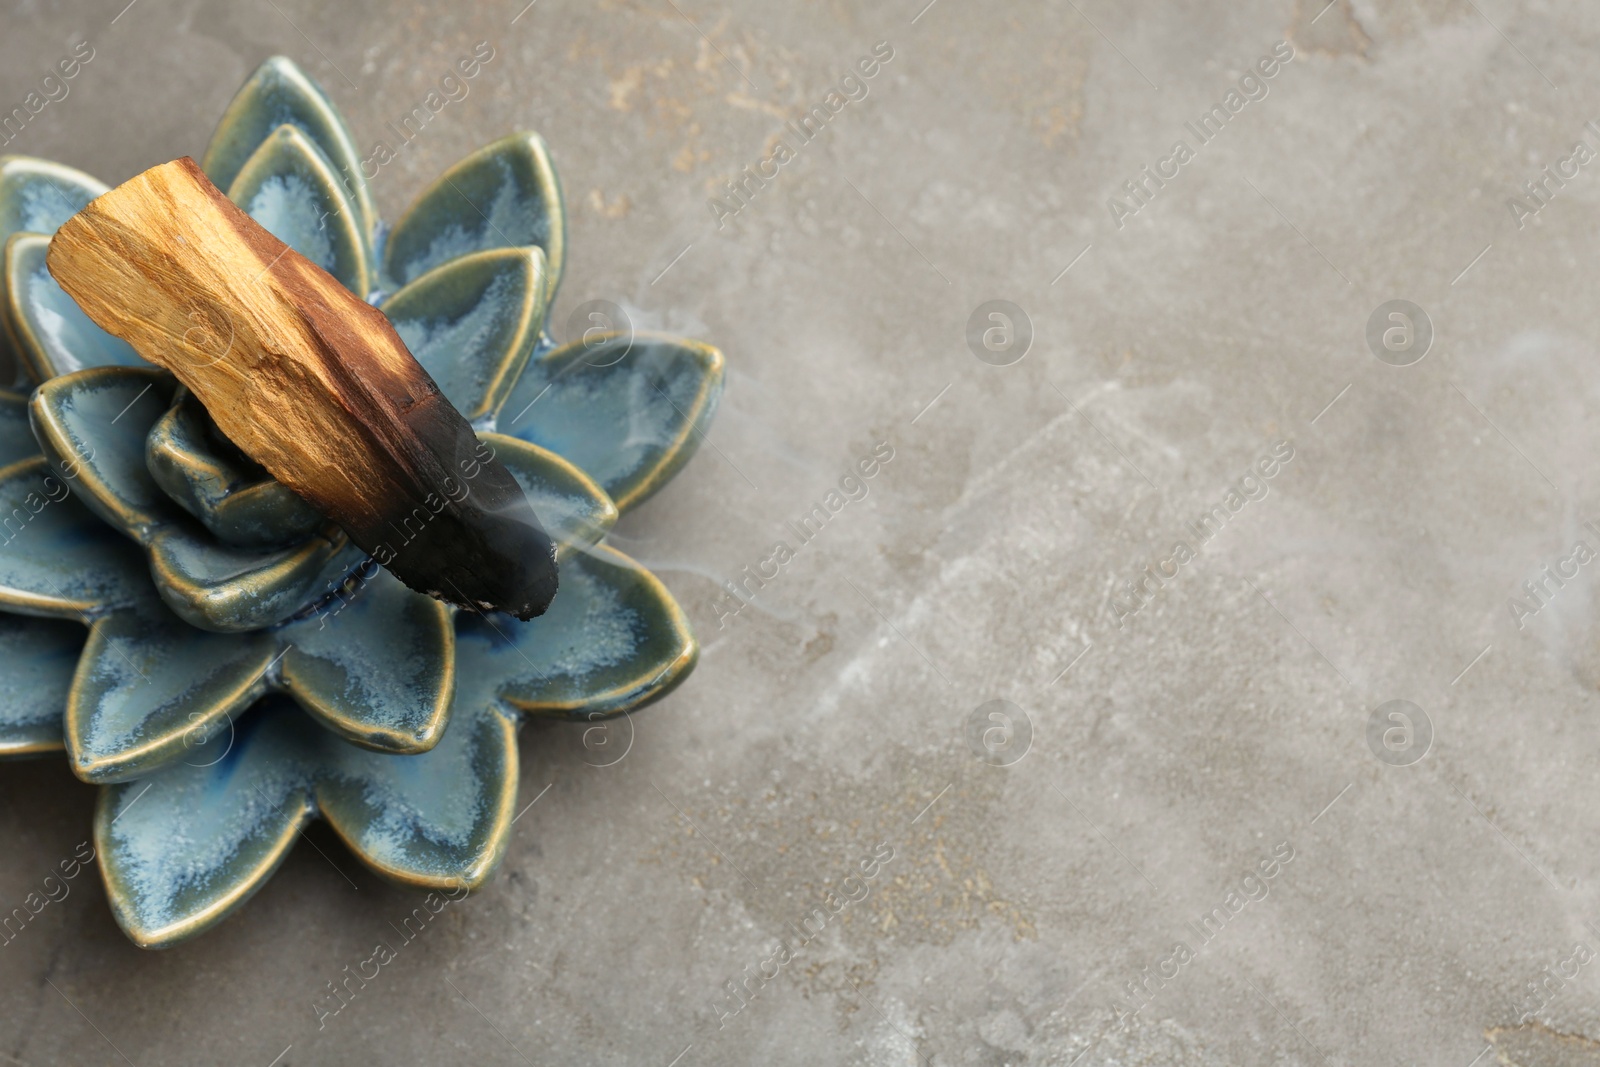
(333, 405)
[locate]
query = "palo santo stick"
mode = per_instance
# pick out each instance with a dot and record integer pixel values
(310, 381)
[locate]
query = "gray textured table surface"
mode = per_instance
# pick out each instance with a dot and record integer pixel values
(1208, 727)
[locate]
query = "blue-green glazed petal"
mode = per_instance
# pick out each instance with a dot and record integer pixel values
(376, 664)
(16, 432)
(574, 511)
(50, 333)
(290, 188)
(280, 93)
(473, 322)
(504, 195)
(613, 640)
(151, 690)
(630, 409)
(238, 502)
(92, 425)
(231, 590)
(37, 659)
(37, 196)
(58, 558)
(183, 848)
(439, 819)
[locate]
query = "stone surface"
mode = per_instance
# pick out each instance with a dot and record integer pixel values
(1222, 725)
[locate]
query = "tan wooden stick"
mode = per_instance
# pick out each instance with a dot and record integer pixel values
(310, 381)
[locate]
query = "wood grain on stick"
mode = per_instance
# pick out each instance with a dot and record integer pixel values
(309, 380)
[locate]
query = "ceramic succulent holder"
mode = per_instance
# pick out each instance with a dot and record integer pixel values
(216, 654)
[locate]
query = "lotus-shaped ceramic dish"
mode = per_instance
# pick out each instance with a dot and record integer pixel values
(218, 655)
